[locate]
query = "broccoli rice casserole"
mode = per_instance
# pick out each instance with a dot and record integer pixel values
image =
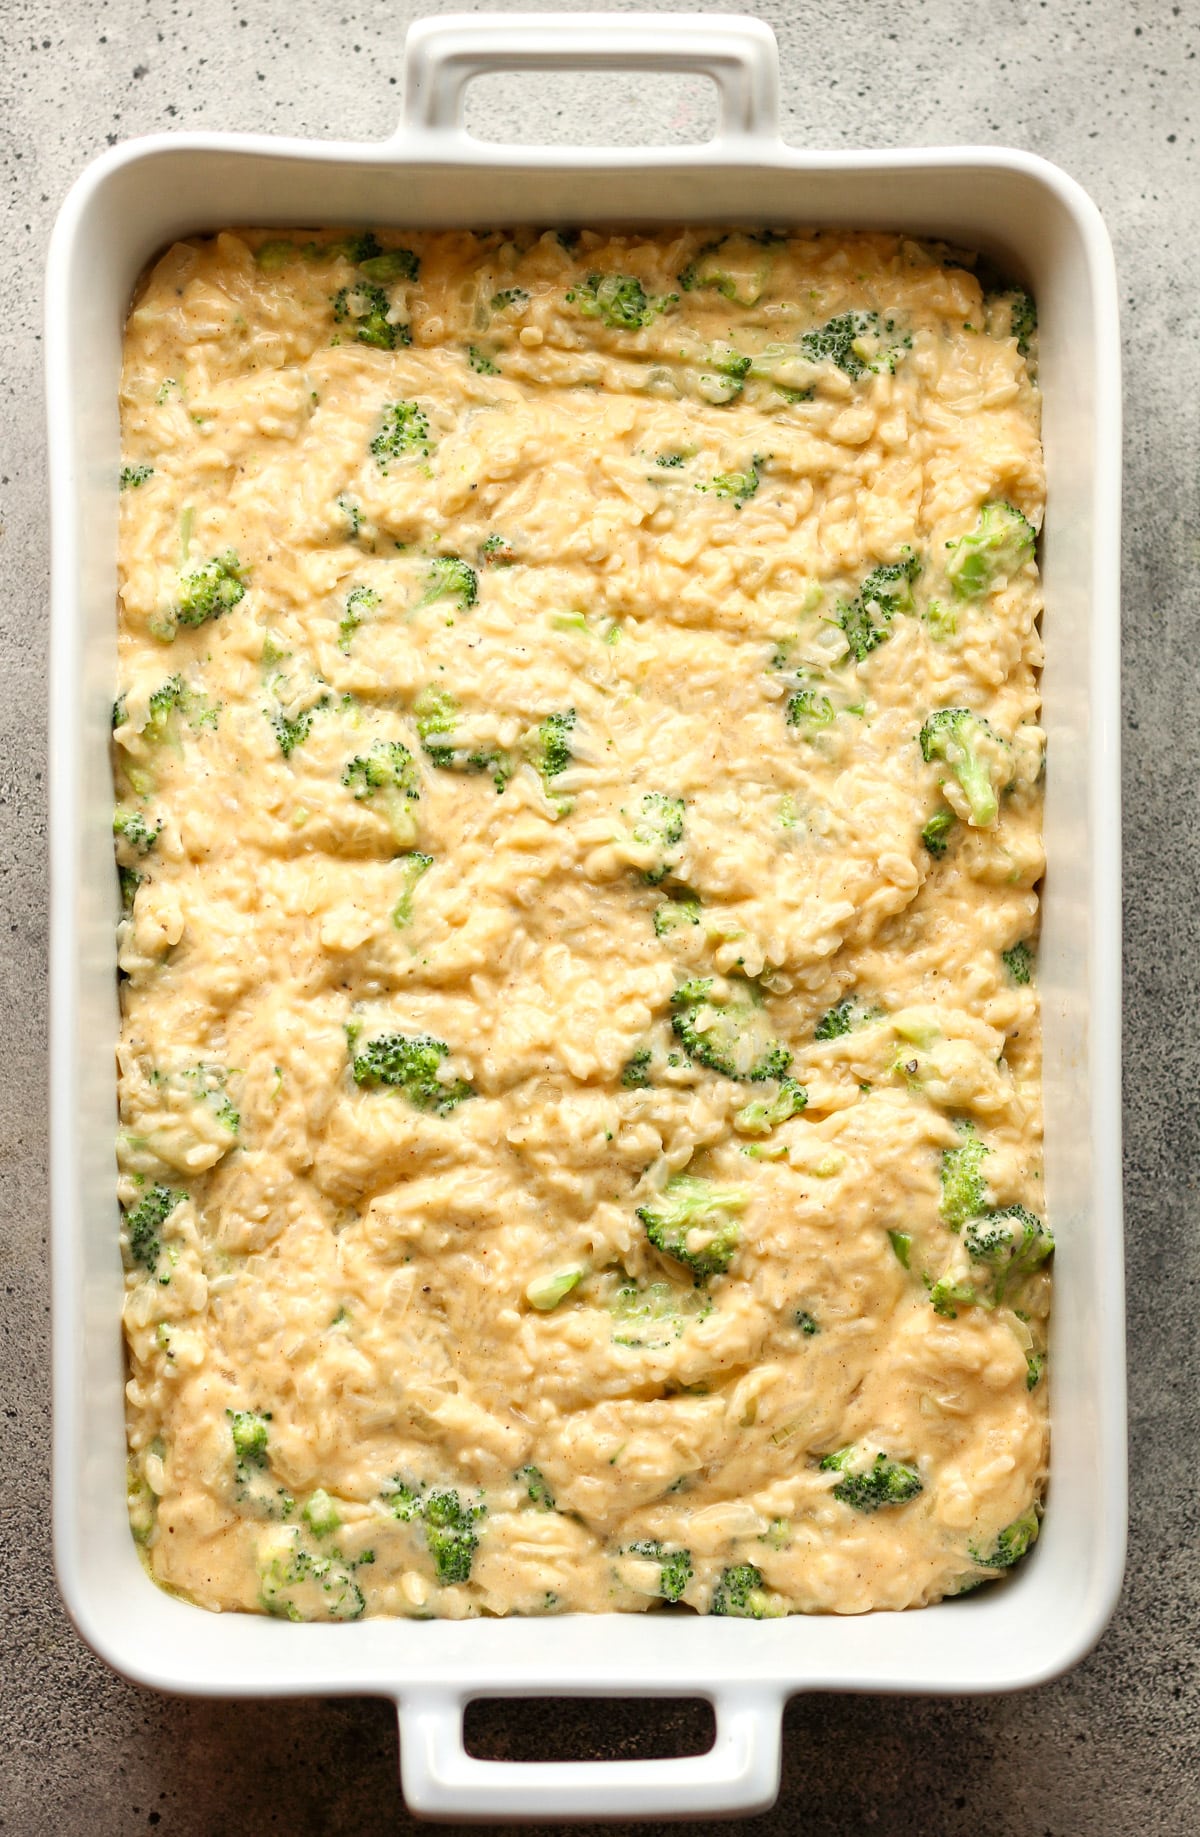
(579, 824)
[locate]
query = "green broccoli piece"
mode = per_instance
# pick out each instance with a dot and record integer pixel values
(411, 867)
(635, 1074)
(901, 1243)
(740, 1594)
(515, 298)
(292, 730)
(737, 486)
(250, 1435)
(552, 750)
(694, 1222)
(655, 1314)
(1022, 316)
(809, 710)
(451, 578)
(660, 827)
(676, 915)
(1011, 1242)
(844, 1017)
(887, 590)
(129, 881)
(1019, 962)
(131, 828)
(885, 1483)
(437, 712)
(806, 1322)
(936, 832)
(133, 476)
(964, 1188)
(728, 1035)
(674, 1566)
(209, 591)
(387, 264)
(367, 309)
(450, 1535)
(1035, 1365)
(545, 1292)
(536, 1489)
(403, 429)
(359, 600)
(974, 753)
(1012, 1544)
(321, 1514)
(146, 1221)
(387, 776)
(735, 267)
(859, 343)
(760, 1117)
(327, 1580)
(988, 557)
(480, 362)
(409, 1063)
(495, 552)
(362, 247)
(620, 300)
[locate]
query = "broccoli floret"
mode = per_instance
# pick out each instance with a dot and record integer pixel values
(495, 552)
(292, 730)
(806, 1322)
(737, 486)
(364, 246)
(655, 1314)
(129, 881)
(552, 749)
(885, 1483)
(635, 1074)
(1022, 316)
(740, 1593)
(1035, 1365)
(1012, 1543)
(411, 867)
(387, 264)
(1012, 1242)
(736, 267)
(620, 300)
(367, 309)
(403, 429)
(514, 298)
(208, 591)
(451, 578)
(480, 362)
(321, 1514)
(844, 1017)
(409, 1063)
(387, 777)
(886, 591)
(675, 1566)
(975, 755)
(729, 1036)
(988, 557)
(295, 1585)
(131, 828)
(859, 343)
(133, 476)
(964, 1188)
(676, 915)
(545, 1292)
(694, 1222)
(761, 1117)
(146, 1221)
(936, 832)
(251, 1439)
(536, 1489)
(359, 600)
(450, 1533)
(659, 826)
(437, 714)
(352, 514)
(1019, 963)
(810, 711)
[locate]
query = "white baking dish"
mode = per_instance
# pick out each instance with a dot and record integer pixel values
(124, 208)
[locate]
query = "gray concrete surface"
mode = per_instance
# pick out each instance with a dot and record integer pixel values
(1108, 88)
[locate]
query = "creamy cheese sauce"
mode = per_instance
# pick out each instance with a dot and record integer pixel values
(579, 814)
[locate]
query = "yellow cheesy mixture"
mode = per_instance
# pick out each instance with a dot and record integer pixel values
(579, 823)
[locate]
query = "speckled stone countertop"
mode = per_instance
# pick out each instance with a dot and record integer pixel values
(1110, 91)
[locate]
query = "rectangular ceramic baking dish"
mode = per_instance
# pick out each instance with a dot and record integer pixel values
(1036, 222)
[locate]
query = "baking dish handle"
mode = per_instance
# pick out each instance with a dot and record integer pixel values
(738, 53)
(738, 1775)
